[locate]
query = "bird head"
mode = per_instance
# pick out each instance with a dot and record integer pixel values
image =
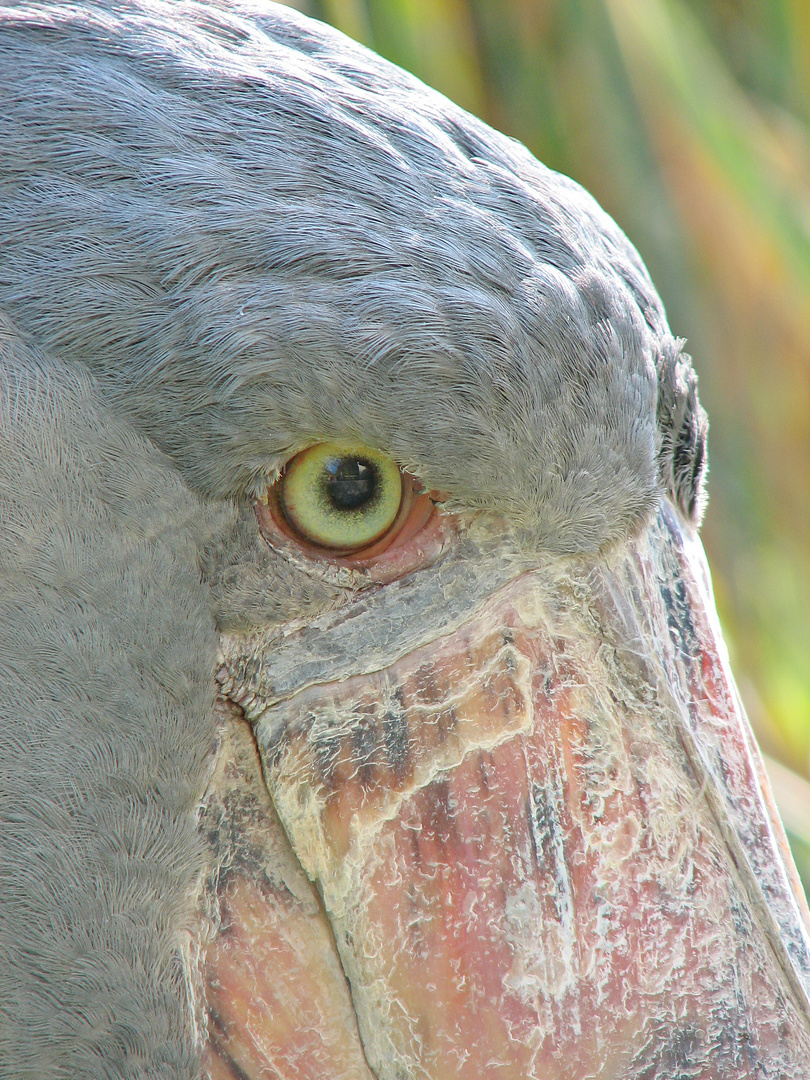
(368, 713)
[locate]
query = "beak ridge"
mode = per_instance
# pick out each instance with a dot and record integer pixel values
(543, 840)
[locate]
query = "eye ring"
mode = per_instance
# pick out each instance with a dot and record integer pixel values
(340, 496)
(322, 519)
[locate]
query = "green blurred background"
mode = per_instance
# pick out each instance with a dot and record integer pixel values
(690, 123)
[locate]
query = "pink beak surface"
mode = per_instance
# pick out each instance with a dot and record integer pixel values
(540, 836)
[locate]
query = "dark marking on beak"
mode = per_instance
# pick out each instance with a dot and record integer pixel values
(679, 619)
(439, 824)
(365, 748)
(395, 735)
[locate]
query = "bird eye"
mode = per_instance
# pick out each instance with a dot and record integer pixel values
(339, 496)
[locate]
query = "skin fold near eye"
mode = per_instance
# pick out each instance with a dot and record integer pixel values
(341, 496)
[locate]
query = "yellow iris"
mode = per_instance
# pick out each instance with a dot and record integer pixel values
(341, 495)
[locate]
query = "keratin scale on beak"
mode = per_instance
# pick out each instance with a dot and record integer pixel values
(541, 838)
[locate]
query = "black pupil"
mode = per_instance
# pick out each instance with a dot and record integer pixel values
(350, 482)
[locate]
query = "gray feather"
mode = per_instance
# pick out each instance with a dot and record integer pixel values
(106, 657)
(228, 232)
(257, 234)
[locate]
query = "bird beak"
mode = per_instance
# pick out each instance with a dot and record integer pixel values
(542, 841)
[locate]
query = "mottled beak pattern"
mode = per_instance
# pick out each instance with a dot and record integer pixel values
(365, 713)
(541, 837)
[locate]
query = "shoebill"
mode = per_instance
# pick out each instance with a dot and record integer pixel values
(365, 712)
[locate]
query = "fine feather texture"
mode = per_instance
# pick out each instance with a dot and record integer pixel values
(105, 662)
(227, 231)
(273, 236)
